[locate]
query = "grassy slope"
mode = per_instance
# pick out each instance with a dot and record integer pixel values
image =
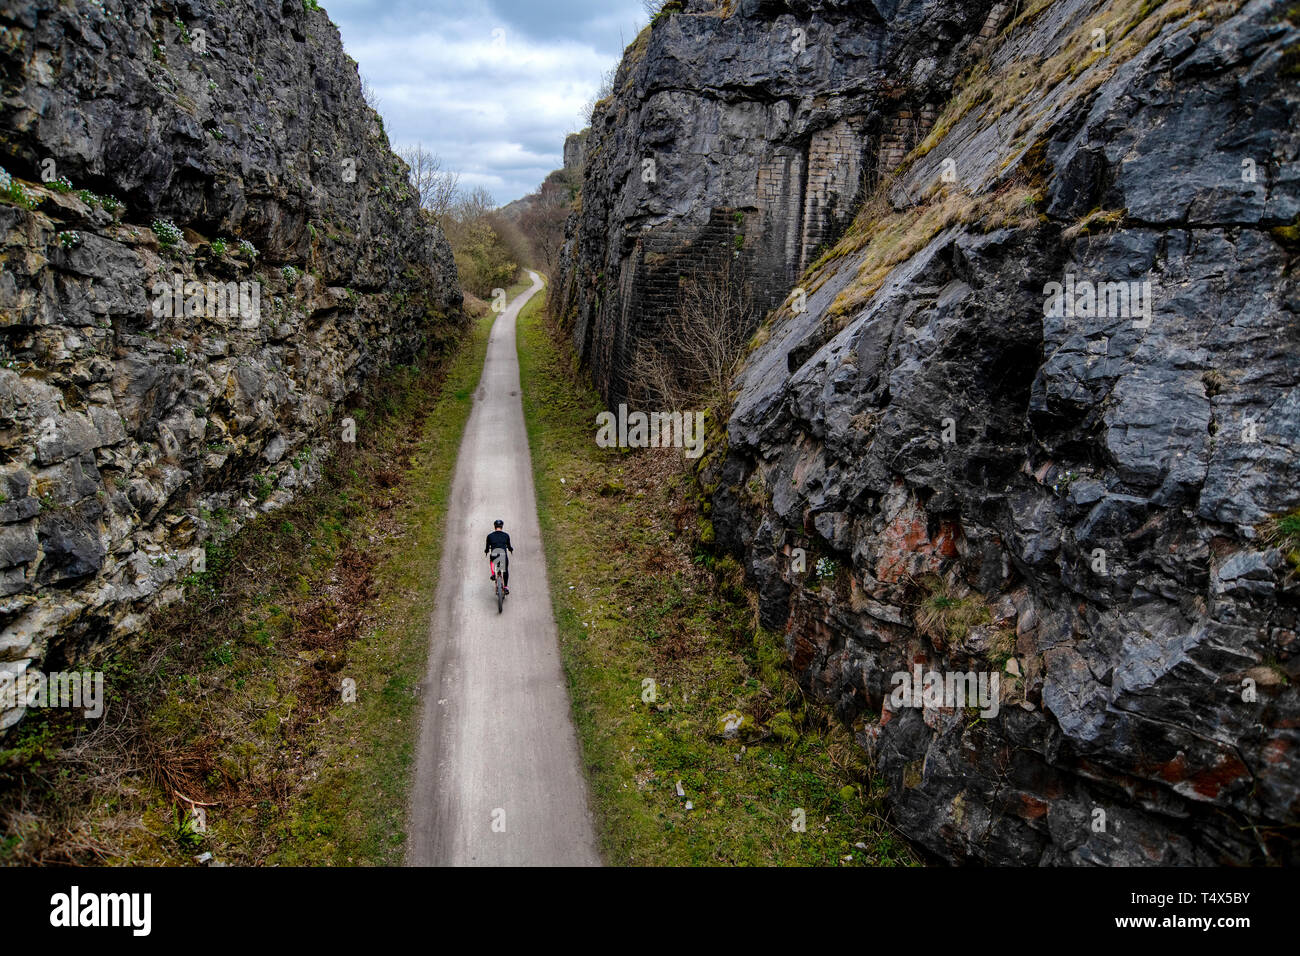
(635, 602)
(232, 697)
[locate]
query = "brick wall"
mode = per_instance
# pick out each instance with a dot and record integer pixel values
(901, 132)
(834, 182)
(650, 279)
(802, 198)
(780, 192)
(992, 24)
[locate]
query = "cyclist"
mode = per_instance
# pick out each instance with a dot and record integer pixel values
(499, 540)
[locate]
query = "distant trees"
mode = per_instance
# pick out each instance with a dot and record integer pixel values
(483, 258)
(544, 215)
(472, 205)
(489, 245)
(513, 238)
(487, 249)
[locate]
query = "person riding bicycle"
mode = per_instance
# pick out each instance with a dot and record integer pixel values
(498, 540)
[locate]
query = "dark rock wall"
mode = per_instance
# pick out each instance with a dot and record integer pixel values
(124, 429)
(763, 127)
(1085, 495)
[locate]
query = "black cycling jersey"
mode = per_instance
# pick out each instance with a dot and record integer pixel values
(497, 539)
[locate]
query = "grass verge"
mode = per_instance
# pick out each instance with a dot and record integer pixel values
(672, 682)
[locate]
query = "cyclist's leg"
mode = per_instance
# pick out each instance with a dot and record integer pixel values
(505, 572)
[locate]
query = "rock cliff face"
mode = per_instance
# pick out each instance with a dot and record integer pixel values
(206, 247)
(749, 136)
(1035, 416)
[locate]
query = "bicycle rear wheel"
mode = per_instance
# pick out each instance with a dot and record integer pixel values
(501, 593)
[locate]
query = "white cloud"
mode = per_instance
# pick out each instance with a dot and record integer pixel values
(495, 106)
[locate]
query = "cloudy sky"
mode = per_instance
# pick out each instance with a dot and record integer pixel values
(491, 86)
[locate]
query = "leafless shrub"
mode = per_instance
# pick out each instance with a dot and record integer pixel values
(701, 343)
(544, 216)
(603, 92)
(369, 93)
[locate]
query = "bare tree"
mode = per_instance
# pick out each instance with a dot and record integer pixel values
(604, 91)
(438, 188)
(488, 247)
(544, 216)
(473, 205)
(369, 93)
(702, 340)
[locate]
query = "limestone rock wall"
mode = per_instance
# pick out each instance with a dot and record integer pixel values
(936, 465)
(135, 425)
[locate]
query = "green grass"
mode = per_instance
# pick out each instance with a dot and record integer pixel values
(522, 285)
(946, 616)
(1283, 532)
(636, 600)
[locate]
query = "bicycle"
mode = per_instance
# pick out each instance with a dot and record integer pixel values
(498, 578)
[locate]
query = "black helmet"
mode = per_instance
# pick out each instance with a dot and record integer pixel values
(498, 523)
